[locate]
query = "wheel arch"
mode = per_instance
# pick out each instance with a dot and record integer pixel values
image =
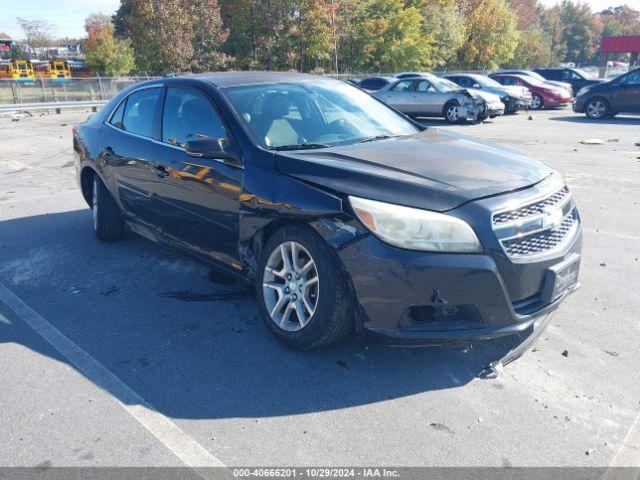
(601, 98)
(448, 103)
(337, 231)
(86, 184)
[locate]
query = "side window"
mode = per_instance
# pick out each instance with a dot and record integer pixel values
(188, 115)
(423, 86)
(116, 118)
(632, 79)
(140, 112)
(404, 86)
(462, 81)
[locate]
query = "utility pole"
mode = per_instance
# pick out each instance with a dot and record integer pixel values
(335, 37)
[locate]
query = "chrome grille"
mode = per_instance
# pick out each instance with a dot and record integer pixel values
(541, 242)
(538, 227)
(532, 209)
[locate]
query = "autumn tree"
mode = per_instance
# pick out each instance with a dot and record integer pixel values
(580, 32)
(444, 25)
(491, 34)
(173, 35)
(105, 54)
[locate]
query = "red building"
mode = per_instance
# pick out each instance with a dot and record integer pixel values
(622, 44)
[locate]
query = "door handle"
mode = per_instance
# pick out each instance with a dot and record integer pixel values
(159, 170)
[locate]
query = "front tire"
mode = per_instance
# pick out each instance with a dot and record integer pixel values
(107, 220)
(452, 112)
(538, 102)
(597, 109)
(302, 290)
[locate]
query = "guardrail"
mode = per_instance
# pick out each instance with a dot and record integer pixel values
(42, 90)
(57, 106)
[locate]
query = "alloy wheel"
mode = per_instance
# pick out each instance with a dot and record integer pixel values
(290, 286)
(536, 102)
(453, 113)
(596, 109)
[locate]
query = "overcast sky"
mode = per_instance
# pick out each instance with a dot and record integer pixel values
(67, 16)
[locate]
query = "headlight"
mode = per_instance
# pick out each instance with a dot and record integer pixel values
(583, 90)
(416, 229)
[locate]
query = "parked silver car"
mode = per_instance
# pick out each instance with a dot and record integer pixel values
(514, 98)
(430, 96)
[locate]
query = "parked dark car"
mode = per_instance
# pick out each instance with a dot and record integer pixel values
(620, 95)
(344, 213)
(543, 95)
(375, 83)
(576, 77)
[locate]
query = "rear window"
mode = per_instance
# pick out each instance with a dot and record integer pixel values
(140, 112)
(372, 84)
(116, 118)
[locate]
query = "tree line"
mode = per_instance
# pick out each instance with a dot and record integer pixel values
(346, 36)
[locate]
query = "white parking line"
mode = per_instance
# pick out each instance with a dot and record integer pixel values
(628, 454)
(168, 433)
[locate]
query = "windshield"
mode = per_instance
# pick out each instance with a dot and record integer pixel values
(315, 114)
(532, 81)
(443, 85)
(537, 76)
(487, 82)
(585, 75)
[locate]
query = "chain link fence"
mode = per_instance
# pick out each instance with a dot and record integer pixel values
(67, 90)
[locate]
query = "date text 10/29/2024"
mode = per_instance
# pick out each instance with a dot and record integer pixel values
(319, 472)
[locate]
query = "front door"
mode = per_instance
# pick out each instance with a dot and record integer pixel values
(427, 100)
(199, 196)
(401, 96)
(626, 98)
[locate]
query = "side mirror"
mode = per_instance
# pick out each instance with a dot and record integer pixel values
(210, 147)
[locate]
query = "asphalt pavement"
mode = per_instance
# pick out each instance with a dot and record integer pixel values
(107, 358)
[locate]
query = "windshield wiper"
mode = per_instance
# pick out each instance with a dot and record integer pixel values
(301, 146)
(375, 139)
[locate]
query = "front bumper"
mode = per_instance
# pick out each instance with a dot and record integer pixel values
(410, 297)
(578, 105)
(495, 109)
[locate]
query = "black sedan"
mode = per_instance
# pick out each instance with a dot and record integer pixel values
(344, 213)
(601, 100)
(574, 76)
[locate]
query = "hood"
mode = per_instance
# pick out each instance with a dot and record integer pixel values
(487, 96)
(433, 170)
(591, 87)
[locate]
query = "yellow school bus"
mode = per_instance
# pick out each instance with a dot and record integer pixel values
(59, 71)
(20, 70)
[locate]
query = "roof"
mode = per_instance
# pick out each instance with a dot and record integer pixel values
(232, 79)
(621, 44)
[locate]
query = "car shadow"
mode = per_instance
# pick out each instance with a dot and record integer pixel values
(191, 348)
(618, 120)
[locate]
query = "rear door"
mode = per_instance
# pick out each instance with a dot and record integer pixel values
(199, 197)
(626, 97)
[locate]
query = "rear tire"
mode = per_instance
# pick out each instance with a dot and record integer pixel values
(299, 316)
(107, 220)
